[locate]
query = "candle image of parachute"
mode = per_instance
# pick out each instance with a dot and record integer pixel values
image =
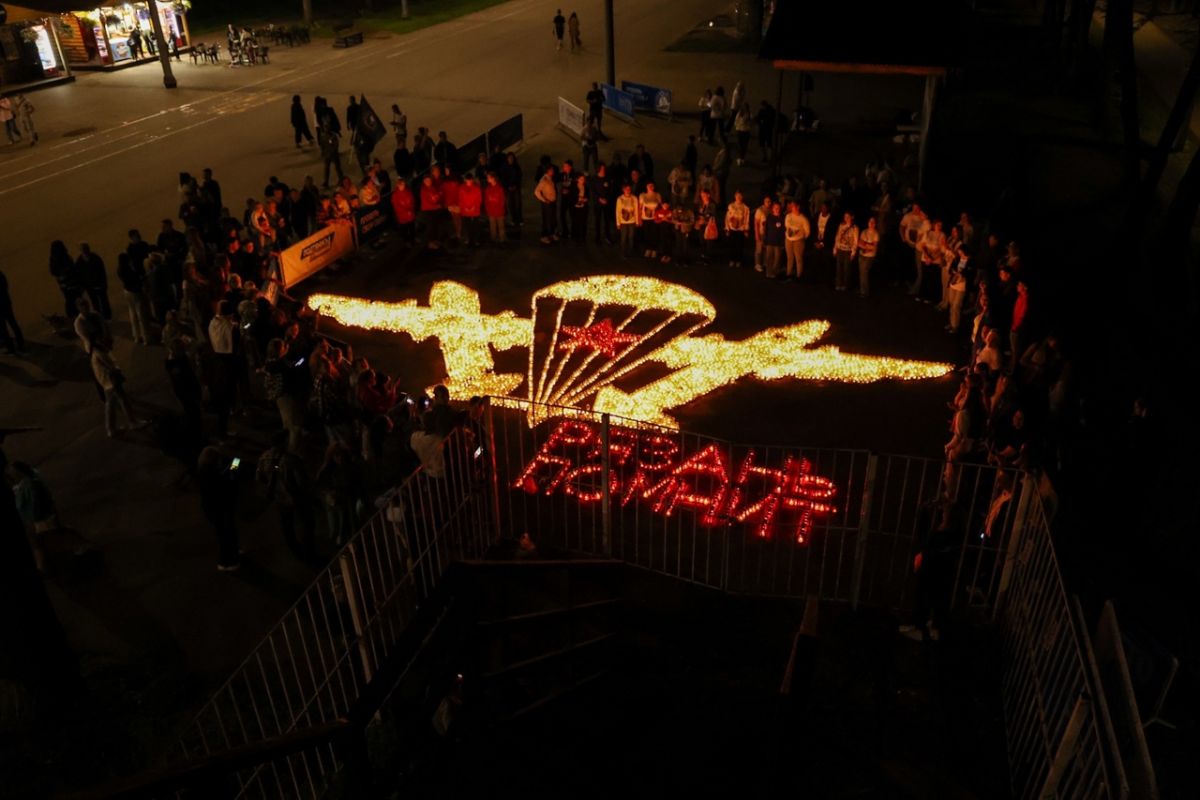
(585, 335)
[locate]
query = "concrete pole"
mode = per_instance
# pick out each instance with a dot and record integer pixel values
(926, 124)
(307, 5)
(610, 55)
(164, 53)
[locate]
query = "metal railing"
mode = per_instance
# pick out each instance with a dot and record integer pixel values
(665, 500)
(316, 662)
(1060, 738)
(577, 480)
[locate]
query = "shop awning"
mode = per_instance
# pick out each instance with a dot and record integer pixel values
(917, 37)
(18, 14)
(48, 7)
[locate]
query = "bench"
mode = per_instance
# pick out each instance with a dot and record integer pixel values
(344, 35)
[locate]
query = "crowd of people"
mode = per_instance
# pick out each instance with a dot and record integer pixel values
(206, 291)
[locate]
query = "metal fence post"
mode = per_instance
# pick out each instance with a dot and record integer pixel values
(864, 524)
(606, 488)
(349, 580)
(491, 430)
(1015, 538)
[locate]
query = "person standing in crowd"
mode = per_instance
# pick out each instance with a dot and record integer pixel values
(602, 197)
(588, 139)
(284, 480)
(704, 104)
(133, 283)
(913, 226)
(845, 245)
(218, 475)
(566, 197)
(774, 238)
(546, 193)
(743, 126)
(648, 202)
(511, 179)
(92, 273)
(579, 210)
(824, 231)
(8, 115)
(716, 110)
(680, 181)
(300, 121)
(402, 160)
(14, 342)
(24, 111)
(796, 233)
(222, 383)
(766, 119)
(399, 124)
(573, 32)
(445, 153)
(560, 25)
(760, 227)
(283, 384)
(929, 268)
(404, 210)
(330, 153)
(642, 163)
(627, 219)
(493, 205)
(185, 385)
(352, 112)
(470, 204)
(595, 104)
(868, 246)
(111, 380)
(956, 291)
(706, 225)
(65, 272)
(737, 223)
(683, 220)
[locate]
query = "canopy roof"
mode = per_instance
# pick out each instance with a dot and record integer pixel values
(45, 8)
(916, 37)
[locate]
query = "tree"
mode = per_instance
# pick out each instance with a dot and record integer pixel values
(164, 54)
(308, 17)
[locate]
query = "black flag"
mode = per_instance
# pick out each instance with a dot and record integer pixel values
(370, 127)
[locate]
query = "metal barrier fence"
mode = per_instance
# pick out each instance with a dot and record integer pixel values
(315, 663)
(1060, 738)
(843, 525)
(730, 516)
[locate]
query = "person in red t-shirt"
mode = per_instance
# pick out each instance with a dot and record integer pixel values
(432, 210)
(494, 207)
(470, 203)
(404, 210)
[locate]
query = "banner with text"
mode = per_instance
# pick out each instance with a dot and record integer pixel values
(309, 256)
(648, 98)
(617, 101)
(370, 221)
(570, 116)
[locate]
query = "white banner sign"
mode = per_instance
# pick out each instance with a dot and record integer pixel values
(570, 116)
(311, 255)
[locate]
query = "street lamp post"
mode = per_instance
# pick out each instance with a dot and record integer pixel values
(160, 41)
(611, 60)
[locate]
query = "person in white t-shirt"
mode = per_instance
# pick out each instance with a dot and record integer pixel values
(795, 234)
(627, 219)
(868, 247)
(913, 226)
(760, 227)
(845, 245)
(737, 223)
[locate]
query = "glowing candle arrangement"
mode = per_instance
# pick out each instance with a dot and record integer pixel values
(624, 322)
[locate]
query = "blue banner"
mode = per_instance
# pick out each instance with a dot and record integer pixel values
(617, 100)
(648, 98)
